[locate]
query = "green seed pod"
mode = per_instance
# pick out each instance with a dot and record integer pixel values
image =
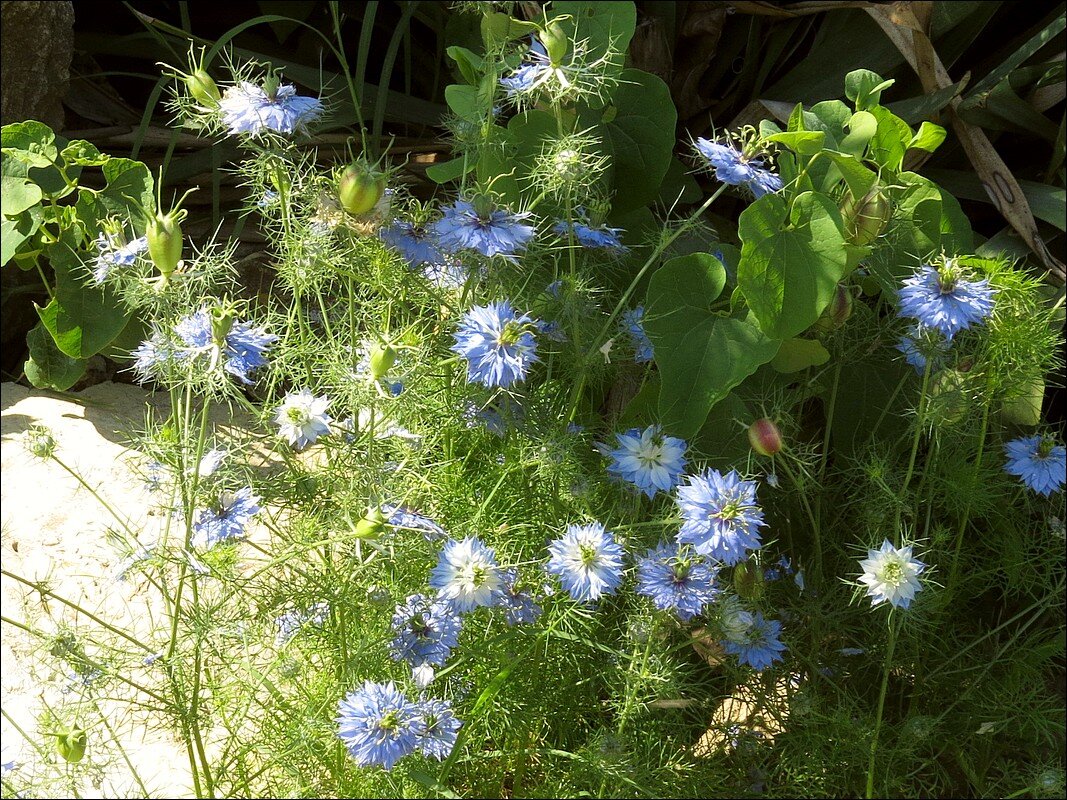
(71, 744)
(371, 525)
(748, 581)
(555, 42)
(202, 88)
(837, 313)
(1025, 409)
(382, 358)
(360, 188)
(865, 220)
(164, 234)
(765, 437)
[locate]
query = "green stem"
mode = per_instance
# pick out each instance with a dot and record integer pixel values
(919, 425)
(965, 518)
(107, 506)
(881, 704)
(810, 514)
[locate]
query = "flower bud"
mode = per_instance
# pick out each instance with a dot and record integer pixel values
(371, 525)
(40, 442)
(865, 220)
(71, 744)
(382, 358)
(360, 189)
(202, 88)
(748, 581)
(555, 42)
(764, 437)
(837, 313)
(164, 234)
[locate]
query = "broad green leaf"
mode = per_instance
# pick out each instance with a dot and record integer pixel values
(30, 141)
(449, 170)
(829, 116)
(797, 354)
(17, 195)
(862, 127)
(864, 88)
(82, 319)
(129, 193)
(696, 280)
(858, 177)
(84, 154)
(15, 232)
(929, 137)
(470, 64)
(47, 367)
(891, 139)
(464, 101)
(803, 142)
(790, 263)
(678, 186)
(640, 138)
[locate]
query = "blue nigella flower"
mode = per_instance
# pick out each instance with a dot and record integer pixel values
(437, 734)
(227, 520)
(535, 68)
(498, 343)
(467, 575)
(782, 568)
(247, 108)
(113, 252)
(290, 623)
(675, 581)
(760, 645)
(587, 560)
(593, 238)
(302, 418)
(633, 323)
(378, 725)
(732, 167)
(720, 516)
(519, 606)
(492, 417)
(417, 244)
(400, 517)
(151, 356)
(1038, 462)
(920, 344)
(426, 630)
(241, 350)
(491, 232)
(938, 297)
(649, 460)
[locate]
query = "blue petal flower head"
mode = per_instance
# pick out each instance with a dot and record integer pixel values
(534, 70)
(1038, 462)
(400, 517)
(732, 167)
(247, 108)
(649, 460)
(151, 356)
(467, 575)
(760, 645)
(489, 231)
(378, 725)
(425, 631)
(675, 581)
(227, 520)
(938, 297)
(922, 343)
(633, 323)
(242, 349)
(417, 244)
(587, 560)
(112, 251)
(519, 606)
(437, 734)
(593, 238)
(720, 516)
(498, 343)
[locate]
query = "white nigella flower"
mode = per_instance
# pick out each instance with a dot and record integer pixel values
(891, 574)
(467, 575)
(302, 418)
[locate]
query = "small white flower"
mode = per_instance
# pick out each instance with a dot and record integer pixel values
(302, 418)
(423, 675)
(467, 575)
(892, 575)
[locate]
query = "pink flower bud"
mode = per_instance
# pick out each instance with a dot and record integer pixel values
(765, 437)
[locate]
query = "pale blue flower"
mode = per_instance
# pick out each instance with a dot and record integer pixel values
(400, 517)
(448, 274)
(633, 321)
(439, 729)
(247, 108)
(720, 516)
(498, 344)
(227, 520)
(1038, 462)
(112, 251)
(490, 232)
(922, 343)
(242, 349)
(759, 646)
(467, 575)
(519, 606)
(732, 167)
(593, 238)
(290, 623)
(649, 460)
(587, 560)
(378, 725)
(939, 297)
(416, 243)
(151, 357)
(425, 630)
(675, 581)
(534, 70)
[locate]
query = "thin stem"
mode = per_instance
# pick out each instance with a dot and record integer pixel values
(881, 703)
(107, 506)
(919, 424)
(965, 518)
(810, 514)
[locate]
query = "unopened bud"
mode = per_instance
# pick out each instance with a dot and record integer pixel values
(202, 88)
(837, 313)
(371, 525)
(764, 437)
(748, 581)
(360, 189)
(40, 442)
(164, 234)
(71, 744)
(865, 220)
(555, 42)
(382, 358)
